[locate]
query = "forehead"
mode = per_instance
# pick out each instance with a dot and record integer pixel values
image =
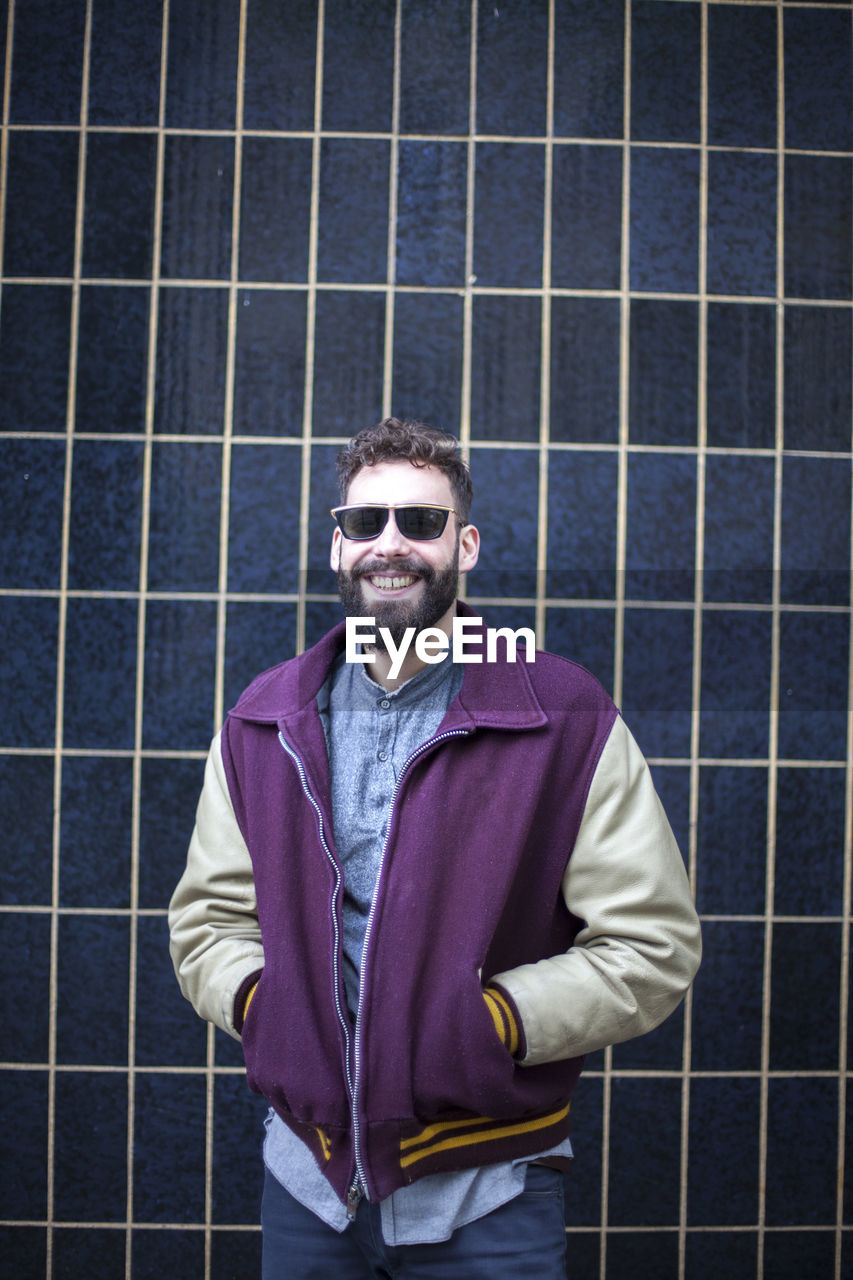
(397, 482)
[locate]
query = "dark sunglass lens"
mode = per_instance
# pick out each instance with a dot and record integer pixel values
(362, 523)
(421, 522)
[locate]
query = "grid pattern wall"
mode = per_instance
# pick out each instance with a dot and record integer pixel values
(608, 242)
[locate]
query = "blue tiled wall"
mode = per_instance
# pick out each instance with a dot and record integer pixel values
(609, 243)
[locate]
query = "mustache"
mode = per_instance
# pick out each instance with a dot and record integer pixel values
(411, 564)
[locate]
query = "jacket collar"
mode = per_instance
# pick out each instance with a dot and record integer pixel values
(495, 695)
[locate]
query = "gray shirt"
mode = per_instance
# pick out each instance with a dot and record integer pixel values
(370, 734)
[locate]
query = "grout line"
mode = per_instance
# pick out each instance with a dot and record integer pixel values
(391, 289)
(545, 345)
(773, 726)
(61, 644)
(470, 278)
(698, 601)
(310, 335)
(145, 521)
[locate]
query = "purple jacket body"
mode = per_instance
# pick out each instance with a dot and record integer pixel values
(483, 821)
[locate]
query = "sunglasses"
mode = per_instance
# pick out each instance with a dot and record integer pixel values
(422, 522)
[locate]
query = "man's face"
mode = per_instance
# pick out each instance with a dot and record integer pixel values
(397, 581)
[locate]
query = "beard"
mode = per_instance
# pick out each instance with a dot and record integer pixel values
(437, 596)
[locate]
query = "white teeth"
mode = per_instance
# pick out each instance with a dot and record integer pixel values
(392, 584)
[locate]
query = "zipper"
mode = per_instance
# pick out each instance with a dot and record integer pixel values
(358, 1189)
(425, 746)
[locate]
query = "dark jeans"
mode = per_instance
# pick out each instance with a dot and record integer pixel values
(525, 1238)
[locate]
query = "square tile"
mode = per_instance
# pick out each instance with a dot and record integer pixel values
(586, 228)
(739, 520)
(741, 375)
(118, 222)
(734, 707)
(427, 380)
(281, 59)
(192, 335)
(25, 964)
(100, 673)
(202, 53)
(168, 1148)
(29, 633)
(269, 363)
(432, 195)
(26, 797)
(95, 837)
(725, 1116)
(665, 72)
(658, 675)
(817, 379)
(664, 372)
(263, 534)
(90, 1181)
(169, 794)
(34, 349)
(664, 219)
(505, 361)
(183, 537)
(124, 63)
(585, 370)
(804, 995)
(731, 840)
(24, 1145)
(818, 80)
(47, 64)
(742, 92)
(509, 214)
(352, 238)
(582, 490)
(589, 56)
(112, 359)
(741, 223)
(815, 551)
(275, 209)
(512, 69)
(92, 1001)
(727, 997)
(41, 200)
(198, 192)
(653, 1108)
(818, 219)
(32, 479)
(659, 558)
(105, 516)
(358, 64)
(180, 657)
(434, 70)
(349, 356)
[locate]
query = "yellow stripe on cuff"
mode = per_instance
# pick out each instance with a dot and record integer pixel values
(508, 1029)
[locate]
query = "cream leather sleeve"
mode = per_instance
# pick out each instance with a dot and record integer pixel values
(640, 946)
(213, 915)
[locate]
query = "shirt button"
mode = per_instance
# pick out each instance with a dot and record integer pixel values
(383, 755)
(385, 704)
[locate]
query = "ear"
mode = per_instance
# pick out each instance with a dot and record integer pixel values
(335, 552)
(469, 548)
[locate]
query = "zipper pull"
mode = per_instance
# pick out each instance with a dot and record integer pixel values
(354, 1199)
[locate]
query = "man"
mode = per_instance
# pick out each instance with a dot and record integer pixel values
(420, 890)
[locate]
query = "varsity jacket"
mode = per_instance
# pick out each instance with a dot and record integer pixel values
(531, 906)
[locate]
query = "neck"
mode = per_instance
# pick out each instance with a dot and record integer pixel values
(379, 669)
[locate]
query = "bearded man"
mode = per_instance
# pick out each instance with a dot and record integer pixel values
(419, 899)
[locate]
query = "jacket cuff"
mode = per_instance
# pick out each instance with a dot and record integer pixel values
(504, 1013)
(245, 991)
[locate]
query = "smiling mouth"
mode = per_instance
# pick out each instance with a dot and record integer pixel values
(397, 582)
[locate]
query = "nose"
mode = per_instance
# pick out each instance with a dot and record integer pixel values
(391, 541)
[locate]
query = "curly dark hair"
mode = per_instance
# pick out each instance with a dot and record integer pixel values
(408, 441)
